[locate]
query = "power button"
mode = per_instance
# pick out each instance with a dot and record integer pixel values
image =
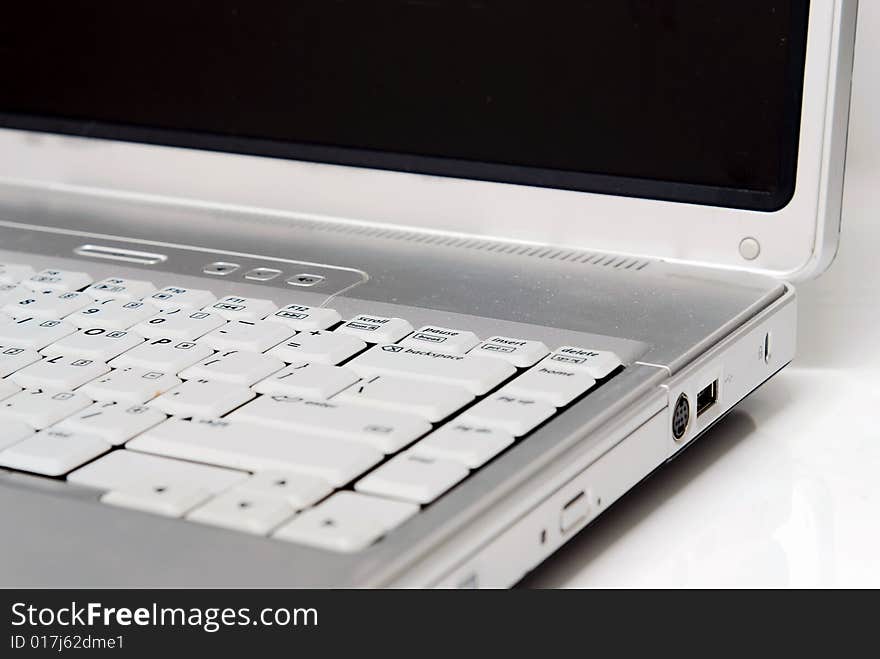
(305, 279)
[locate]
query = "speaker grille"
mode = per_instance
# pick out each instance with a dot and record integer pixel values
(464, 242)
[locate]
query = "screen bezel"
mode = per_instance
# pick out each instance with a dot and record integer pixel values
(658, 188)
(794, 239)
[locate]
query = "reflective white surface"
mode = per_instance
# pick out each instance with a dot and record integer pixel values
(786, 490)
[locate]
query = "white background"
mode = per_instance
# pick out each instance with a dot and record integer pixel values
(786, 490)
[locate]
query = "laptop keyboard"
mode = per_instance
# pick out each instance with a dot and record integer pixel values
(286, 421)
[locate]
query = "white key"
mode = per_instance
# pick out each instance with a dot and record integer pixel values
(12, 293)
(12, 432)
(41, 408)
(13, 273)
(123, 469)
(114, 423)
(384, 430)
(183, 324)
(52, 452)
(376, 329)
(318, 346)
(554, 384)
(298, 490)
(119, 288)
(178, 297)
(300, 317)
(514, 414)
(519, 352)
(412, 477)
(167, 500)
(46, 304)
(112, 314)
(595, 363)
(250, 335)
(243, 511)
(432, 400)
(8, 388)
(97, 343)
(468, 444)
(476, 374)
(164, 355)
(346, 522)
(234, 366)
(13, 358)
(233, 307)
(443, 339)
(58, 280)
(59, 372)
(255, 448)
(307, 379)
(34, 333)
(130, 384)
(202, 398)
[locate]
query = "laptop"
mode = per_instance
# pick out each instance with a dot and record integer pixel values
(389, 294)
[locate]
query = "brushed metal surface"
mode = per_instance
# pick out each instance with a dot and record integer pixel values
(672, 309)
(661, 315)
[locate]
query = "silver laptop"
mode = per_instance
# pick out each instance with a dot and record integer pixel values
(389, 293)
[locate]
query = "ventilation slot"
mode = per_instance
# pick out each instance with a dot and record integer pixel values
(489, 246)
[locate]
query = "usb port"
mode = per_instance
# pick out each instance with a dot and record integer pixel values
(707, 397)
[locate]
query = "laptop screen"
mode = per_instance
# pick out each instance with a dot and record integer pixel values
(677, 100)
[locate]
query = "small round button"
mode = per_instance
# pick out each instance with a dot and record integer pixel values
(305, 279)
(749, 248)
(262, 274)
(220, 268)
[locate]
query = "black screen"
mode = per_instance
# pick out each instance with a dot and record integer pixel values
(673, 99)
